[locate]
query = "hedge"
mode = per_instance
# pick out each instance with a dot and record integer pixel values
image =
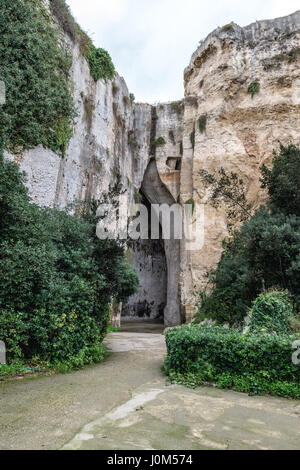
(253, 363)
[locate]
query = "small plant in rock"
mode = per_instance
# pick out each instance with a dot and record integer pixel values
(254, 88)
(227, 28)
(159, 141)
(115, 89)
(181, 148)
(100, 63)
(192, 139)
(202, 123)
(63, 135)
(177, 107)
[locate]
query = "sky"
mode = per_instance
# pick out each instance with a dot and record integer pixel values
(151, 41)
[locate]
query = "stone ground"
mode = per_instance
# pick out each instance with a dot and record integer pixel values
(125, 403)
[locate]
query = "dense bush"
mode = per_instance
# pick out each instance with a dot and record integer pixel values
(34, 65)
(56, 277)
(100, 63)
(265, 252)
(253, 363)
(271, 312)
(283, 180)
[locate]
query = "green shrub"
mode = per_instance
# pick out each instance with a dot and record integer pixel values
(295, 324)
(63, 134)
(283, 180)
(35, 65)
(264, 253)
(100, 63)
(250, 363)
(13, 332)
(159, 141)
(271, 313)
(181, 148)
(56, 277)
(228, 28)
(254, 88)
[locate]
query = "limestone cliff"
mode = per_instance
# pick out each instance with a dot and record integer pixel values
(114, 135)
(233, 129)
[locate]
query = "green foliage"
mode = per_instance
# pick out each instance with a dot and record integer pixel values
(181, 148)
(159, 141)
(228, 28)
(35, 66)
(100, 63)
(283, 180)
(254, 88)
(63, 133)
(56, 278)
(192, 203)
(192, 139)
(229, 189)
(132, 97)
(61, 11)
(202, 123)
(271, 313)
(264, 252)
(276, 61)
(256, 364)
(98, 59)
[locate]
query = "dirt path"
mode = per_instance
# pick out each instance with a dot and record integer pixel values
(125, 403)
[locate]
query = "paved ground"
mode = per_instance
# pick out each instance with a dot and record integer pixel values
(125, 403)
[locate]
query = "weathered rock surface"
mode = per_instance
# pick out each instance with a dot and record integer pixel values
(115, 136)
(241, 132)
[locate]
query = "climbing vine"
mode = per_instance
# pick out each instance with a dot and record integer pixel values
(35, 65)
(100, 63)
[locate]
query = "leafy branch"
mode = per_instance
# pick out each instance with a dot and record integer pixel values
(227, 188)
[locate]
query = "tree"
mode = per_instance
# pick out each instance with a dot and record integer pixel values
(227, 188)
(283, 180)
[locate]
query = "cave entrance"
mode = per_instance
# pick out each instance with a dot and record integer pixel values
(149, 260)
(157, 262)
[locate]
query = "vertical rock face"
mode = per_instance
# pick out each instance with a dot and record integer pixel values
(159, 150)
(232, 129)
(158, 261)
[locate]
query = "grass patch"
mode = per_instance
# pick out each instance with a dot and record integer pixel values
(34, 367)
